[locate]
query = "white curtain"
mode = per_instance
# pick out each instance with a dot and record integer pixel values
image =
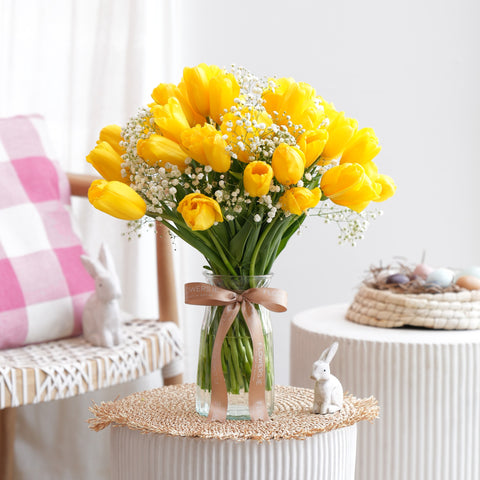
(83, 65)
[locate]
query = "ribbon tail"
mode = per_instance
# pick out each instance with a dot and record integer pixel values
(219, 397)
(256, 396)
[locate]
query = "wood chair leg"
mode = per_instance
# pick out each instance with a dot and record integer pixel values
(7, 440)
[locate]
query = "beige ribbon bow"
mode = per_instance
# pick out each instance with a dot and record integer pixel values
(271, 298)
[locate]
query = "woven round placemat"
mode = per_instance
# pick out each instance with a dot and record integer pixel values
(384, 308)
(171, 411)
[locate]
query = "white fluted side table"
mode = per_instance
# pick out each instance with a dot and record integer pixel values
(158, 435)
(427, 384)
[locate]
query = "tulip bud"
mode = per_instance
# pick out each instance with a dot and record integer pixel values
(348, 185)
(197, 81)
(116, 199)
(273, 99)
(362, 148)
(107, 162)
(294, 102)
(312, 143)
(340, 131)
(162, 92)
(192, 141)
(215, 150)
(159, 149)
(257, 178)
(206, 146)
(297, 99)
(112, 134)
(388, 187)
(297, 200)
(199, 211)
(223, 89)
(288, 164)
(171, 119)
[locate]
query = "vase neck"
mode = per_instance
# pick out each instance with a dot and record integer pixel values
(238, 283)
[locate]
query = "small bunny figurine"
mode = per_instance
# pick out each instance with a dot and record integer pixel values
(101, 315)
(328, 389)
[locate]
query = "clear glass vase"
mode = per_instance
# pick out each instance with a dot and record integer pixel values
(236, 351)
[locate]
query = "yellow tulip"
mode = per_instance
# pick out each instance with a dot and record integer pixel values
(312, 143)
(370, 169)
(348, 185)
(388, 187)
(299, 104)
(223, 89)
(206, 146)
(297, 99)
(193, 117)
(197, 84)
(288, 164)
(192, 141)
(170, 119)
(107, 162)
(273, 99)
(116, 199)
(362, 148)
(311, 118)
(164, 91)
(295, 102)
(112, 134)
(257, 178)
(215, 149)
(297, 200)
(340, 131)
(329, 109)
(157, 149)
(233, 131)
(199, 211)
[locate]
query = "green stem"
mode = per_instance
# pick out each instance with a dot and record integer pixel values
(259, 244)
(200, 244)
(222, 254)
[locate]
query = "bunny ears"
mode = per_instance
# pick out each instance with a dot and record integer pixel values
(101, 267)
(328, 354)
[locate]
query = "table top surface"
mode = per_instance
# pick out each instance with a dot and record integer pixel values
(171, 411)
(330, 320)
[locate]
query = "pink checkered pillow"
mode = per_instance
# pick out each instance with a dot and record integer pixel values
(43, 284)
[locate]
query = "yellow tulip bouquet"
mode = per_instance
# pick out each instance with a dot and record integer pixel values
(233, 164)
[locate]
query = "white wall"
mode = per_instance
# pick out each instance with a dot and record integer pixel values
(410, 70)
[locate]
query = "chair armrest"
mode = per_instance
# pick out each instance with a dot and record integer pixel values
(80, 183)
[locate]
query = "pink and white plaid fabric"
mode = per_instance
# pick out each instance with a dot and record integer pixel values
(43, 285)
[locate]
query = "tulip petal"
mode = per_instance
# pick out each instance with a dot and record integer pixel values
(116, 199)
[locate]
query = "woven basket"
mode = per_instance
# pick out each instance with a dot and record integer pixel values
(449, 311)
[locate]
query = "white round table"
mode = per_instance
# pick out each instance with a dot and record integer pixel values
(157, 434)
(427, 383)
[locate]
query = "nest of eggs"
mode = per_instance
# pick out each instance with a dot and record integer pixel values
(399, 295)
(384, 278)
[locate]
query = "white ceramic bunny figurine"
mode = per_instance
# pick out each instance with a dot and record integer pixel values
(328, 396)
(102, 317)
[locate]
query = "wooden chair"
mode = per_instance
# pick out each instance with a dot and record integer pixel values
(82, 367)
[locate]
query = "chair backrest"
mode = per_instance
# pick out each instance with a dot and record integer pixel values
(167, 300)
